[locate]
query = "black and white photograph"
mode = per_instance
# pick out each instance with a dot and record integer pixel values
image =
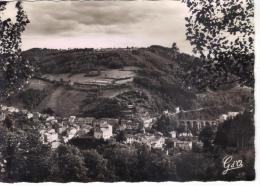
(127, 91)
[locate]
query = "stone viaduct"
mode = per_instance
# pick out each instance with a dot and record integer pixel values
(196, 124)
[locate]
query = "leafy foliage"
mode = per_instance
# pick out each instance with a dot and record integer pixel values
(174, 51)
(67, 164)
(196, 166)
(14, 70)
(25, 157)
(97, 165)
(139, 163)
(165, 125)
(222, 33)
(207, 137)
(105, 108)
(237, 132)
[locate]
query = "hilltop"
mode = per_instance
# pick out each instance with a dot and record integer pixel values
(106, 82)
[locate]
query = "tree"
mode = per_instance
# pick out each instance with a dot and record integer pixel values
(165, 125)
(222, 33)
(236, 133)
(121, 137)
(8, 122)
(198, 166)
(67, 164)
(97, 165)
(14, 70)
(23, 156)
(48, 111)
(174, 51)
(122, 162)
(155, 165)
(207, 137)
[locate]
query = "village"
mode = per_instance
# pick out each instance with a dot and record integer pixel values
(56, 130)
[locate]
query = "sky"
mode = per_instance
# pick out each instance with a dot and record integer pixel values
(104, 24)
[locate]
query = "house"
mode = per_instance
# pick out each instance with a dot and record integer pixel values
(111, 121)
(42, 132)
(173, 134)
(103, 121)
(72, 119)
(125, 122)
(232, 114)
(51, 136)
(55, 144)
(71, 133)
(183, 145)
(223, 117)
(12, 109)
(2, 116)
(44, 116)
(98, 133)
(50, 118)
(98, 122)
(166, 112)
(29, 115)
(122, 127)
(130, 106)
(185, 135)
(137, 138)
(157, 142)
(129, 124)
(177, 110)
(70, 83)
(147, 122)
(23, 111)
(103, 131)
(82, 133)
(128, 113)
(65, 122)
(36, 116)
(85, 121)
(130, 139)
(75, 126)
(61, 129)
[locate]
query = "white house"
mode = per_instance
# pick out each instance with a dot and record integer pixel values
(166, 112)
(50, 118)
(71, 133)
(72, 119)
(232, 114)
(12, 109)
(51, 136)
(103, 131)
(185, 134)
(223, 117)
(29, 115)
(129, 139)
(157, 142)
(173, 134)
(55, 144)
